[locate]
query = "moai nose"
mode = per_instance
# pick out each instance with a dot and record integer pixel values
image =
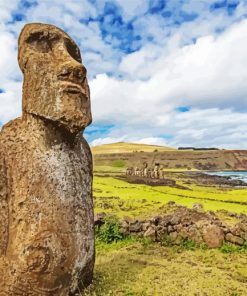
(72, 71)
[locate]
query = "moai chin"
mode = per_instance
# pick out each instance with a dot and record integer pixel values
(46, 209)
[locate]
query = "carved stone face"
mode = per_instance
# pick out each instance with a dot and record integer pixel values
(55, 84)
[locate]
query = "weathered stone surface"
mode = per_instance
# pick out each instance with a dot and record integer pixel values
(135, 226)
(213, 236)
(46, 209)
(150, 233)
(243, 226)
(234, 239)
(173, 235)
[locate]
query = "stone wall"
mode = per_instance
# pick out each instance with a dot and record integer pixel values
(183, 223)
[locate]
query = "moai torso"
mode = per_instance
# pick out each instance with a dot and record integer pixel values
(46, 210)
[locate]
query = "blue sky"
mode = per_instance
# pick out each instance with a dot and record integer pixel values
(162, 72)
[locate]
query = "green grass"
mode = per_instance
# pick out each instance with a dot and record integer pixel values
(231, 248)
(132, 267)
(102, 169)
(136, 200)
(118, 163)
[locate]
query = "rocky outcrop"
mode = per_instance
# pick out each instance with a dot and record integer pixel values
(187, 224)
(46, 209)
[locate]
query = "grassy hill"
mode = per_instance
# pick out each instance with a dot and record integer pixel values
(139, 267)
(122, 147)
(131, 154)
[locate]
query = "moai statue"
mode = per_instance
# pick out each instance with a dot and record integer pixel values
(129, 171)
(145, 172)
(46, 208)
(156, 171)
(161, 172)
(145, 169)
(137, 171)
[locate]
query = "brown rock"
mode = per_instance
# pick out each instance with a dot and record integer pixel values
(178, 227)
(244, 236)
(213, 236)
(145, 226)
(236, 230)
(150, 233)
(194, 233)
(175, 220)
(135, 226)
(99, 219)
(161, 233)
(170, 228)
(234, 239)
(46, 209)
(124, 229)
(173, 236)
(197, 207)
(243, 226)
(156, 220)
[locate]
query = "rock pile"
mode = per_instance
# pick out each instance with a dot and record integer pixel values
(183, 223)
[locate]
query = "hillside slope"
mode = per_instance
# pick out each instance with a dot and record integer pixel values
(122, 147)
(171, 158)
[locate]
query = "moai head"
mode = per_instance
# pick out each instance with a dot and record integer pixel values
(55, 84)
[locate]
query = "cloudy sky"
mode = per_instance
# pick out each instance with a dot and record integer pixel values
(163, 72)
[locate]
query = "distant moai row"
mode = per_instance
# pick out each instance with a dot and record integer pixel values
(155, 172)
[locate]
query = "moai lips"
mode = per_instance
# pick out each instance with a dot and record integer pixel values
(46, 208)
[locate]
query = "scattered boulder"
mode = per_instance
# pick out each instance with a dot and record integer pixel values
(173, 236)
(234, 239)
(150, 233)
(213, 236)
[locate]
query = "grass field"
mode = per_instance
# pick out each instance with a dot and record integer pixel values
(130, 268)
(122, 147)
(141, 268)
(135, 200)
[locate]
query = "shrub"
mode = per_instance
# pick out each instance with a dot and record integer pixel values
(110, 231)
(188, 244)
(167, 242)
(118, 163)
(183, 244)
(230, 248)
(145, 242)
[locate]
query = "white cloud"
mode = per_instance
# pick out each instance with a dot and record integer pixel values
(210, 73)
(152, 141)
(167, 72)
(107, 140)
(133, 8)
(210, 76)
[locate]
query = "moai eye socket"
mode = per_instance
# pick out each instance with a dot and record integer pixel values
(73, 50)
(40, 42)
